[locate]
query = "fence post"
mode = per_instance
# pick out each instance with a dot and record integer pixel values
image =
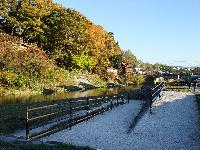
(194, 84)
(111, 103)
(102, 106)
(27, 123)
(150, 101)
(117, 100)
(160, 91)
(122, 99)
(128, 98)
(87, 109)
(70, 113)
(161, 88)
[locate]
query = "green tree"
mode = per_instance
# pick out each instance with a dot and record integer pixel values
(25, 15)
(65, 36)
(83, 62)
(129, 57)
(196, 70)
(63, 33)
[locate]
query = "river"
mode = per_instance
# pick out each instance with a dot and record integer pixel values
(65, 95)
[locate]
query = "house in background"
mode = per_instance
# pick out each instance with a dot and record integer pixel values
(139, 70)
(127, 68)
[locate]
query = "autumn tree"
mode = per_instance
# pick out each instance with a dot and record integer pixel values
(23, 17)
(67, 36)
(70, 37)
(105, 50)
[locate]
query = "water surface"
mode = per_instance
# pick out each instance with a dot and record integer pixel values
(65, 95)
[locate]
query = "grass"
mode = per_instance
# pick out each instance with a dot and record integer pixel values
(10, 146)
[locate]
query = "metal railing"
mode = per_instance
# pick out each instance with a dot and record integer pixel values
(45, 120)
(154, 93)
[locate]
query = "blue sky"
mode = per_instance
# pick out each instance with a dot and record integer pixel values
(164, 31)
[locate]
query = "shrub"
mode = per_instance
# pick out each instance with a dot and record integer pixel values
(7, 78)
(26, 66)
(139, 79)
(111, 76)
(83, 62)
(21, 81)
(54, 75)
(135, 79)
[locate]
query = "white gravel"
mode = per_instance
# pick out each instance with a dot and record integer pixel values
(173, 125)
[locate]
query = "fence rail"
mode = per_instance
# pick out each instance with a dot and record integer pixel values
(48, 119)
(154, 93)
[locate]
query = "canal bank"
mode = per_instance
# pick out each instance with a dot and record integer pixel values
(13, 110)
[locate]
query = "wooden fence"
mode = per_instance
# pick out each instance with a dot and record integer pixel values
(45, 120)
(154, 93)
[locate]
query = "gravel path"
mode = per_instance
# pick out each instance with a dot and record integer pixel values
(173, 125)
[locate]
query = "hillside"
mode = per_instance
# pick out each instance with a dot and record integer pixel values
(56, 41)
(68, 37)
(25, 65)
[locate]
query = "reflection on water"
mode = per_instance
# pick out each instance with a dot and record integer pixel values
(66, 95)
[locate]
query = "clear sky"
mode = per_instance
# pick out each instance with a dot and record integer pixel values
(164, 31)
